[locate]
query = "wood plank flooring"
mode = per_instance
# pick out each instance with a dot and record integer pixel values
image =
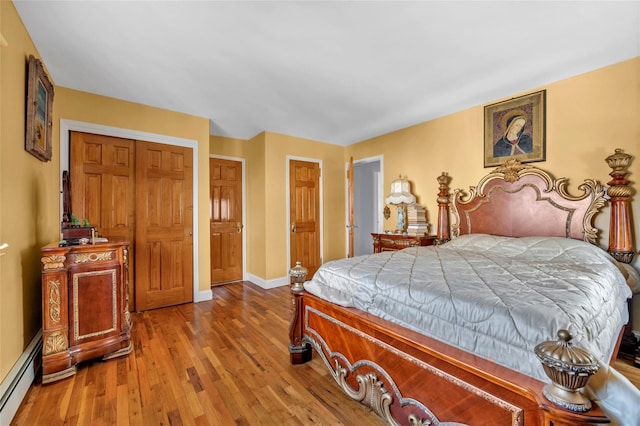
(219, 362)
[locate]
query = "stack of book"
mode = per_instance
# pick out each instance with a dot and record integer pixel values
(417, 220)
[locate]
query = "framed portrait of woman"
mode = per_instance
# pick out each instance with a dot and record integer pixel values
(515, 128)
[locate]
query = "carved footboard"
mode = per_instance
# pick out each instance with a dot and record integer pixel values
(409, 379)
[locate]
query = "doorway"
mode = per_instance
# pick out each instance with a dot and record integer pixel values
(367, 203)
(226, 219)
(305, 213)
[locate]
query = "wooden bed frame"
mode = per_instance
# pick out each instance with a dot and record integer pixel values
(410, 379)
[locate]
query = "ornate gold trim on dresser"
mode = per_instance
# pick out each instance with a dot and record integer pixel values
(54, 261)
(85, 310)
(92, 257)
(54, 300)
(54, 343)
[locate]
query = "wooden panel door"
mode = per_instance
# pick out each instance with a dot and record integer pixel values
(304, 184)
(102, 176)
(164, 228)
(225, 183)
(351, 225)
(103, 183)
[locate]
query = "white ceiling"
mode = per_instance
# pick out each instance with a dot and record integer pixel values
(332, 71)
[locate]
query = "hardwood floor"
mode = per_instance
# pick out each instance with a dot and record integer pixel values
(220, 362)
(624, 364)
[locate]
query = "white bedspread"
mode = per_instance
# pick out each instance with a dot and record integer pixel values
(496, 297)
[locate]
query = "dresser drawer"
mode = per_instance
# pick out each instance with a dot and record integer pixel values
(390, 242)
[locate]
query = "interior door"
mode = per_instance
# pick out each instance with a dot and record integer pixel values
(164, 228)
(351, 225)
(304, 214)
(225, 220)
(102, 181)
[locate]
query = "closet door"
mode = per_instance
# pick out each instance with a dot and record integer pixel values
(164, 228)
(102, 176)
(103, 182)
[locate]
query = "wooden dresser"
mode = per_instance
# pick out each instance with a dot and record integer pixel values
(85, 306)
(388, 242)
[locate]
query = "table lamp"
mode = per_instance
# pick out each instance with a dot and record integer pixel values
(400, 196)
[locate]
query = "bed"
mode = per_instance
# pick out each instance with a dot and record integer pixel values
(440, 335)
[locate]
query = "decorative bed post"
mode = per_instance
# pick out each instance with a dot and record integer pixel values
(569, 368)
(619, 191)
(443, 232)
(299, 352)
(620, 232)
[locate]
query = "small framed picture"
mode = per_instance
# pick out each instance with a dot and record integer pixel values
(39, 111)
(515, 129)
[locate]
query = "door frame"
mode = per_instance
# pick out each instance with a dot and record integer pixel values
(380, 192)
(288, 206)
(244, 208)
(67, 126)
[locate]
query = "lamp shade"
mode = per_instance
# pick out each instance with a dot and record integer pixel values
(400, 193)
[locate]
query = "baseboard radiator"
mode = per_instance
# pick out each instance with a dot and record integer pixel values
(14, 387)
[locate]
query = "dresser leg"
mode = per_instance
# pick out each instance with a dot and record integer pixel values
(59, 375)
(119, 352)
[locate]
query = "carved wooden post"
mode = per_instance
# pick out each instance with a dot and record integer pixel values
(299, 352)
(444, 228)
(620, 233)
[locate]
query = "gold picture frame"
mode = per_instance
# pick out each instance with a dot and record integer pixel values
(515, 129)
(39, 111)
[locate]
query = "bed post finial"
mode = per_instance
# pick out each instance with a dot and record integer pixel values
(299, 352)
(444, 229)
(619, 192)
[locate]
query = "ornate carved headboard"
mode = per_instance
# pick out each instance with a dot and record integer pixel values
(519, 200)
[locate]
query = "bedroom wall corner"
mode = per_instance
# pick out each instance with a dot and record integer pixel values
(278, 148)
(253, 152)
(256, 210)
(265, 156)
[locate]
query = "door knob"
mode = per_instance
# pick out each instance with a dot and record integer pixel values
(293, 227)
(239, 227)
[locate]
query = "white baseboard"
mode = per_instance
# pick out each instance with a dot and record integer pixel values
(202, 296)
(268, 284)
(15, 386)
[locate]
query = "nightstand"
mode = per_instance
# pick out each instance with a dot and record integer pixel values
(390, 242)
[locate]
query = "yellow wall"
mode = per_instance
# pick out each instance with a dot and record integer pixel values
(231, 147)
(256, 206)
(29, 197)
(588, 116)
(266, 166)
(30, 200)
